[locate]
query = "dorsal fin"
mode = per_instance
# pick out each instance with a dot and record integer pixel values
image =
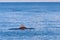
(22, 26)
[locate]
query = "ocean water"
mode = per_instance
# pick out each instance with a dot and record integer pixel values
(44, 17)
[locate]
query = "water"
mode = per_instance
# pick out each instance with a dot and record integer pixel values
(43, 16)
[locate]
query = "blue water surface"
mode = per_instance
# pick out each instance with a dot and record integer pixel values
(44, 17)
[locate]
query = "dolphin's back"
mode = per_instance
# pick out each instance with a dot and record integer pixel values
(19, 28)
(14, 29)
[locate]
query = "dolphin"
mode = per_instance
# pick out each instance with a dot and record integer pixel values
(21, 28)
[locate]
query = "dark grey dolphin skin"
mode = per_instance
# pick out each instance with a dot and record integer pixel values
(19, 28)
